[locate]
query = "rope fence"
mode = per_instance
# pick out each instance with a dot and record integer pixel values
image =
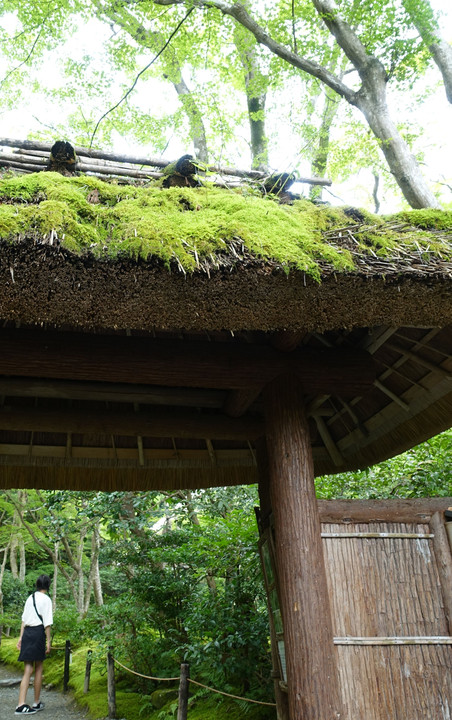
(147, 677)
(184, 680)
(236, 697)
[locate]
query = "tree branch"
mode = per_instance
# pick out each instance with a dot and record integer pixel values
(423, 18)
(24, 62)
(130, 90)
(240, 14)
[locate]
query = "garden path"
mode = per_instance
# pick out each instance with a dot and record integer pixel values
(58, 706)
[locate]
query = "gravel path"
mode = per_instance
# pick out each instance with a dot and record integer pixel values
(58, 706)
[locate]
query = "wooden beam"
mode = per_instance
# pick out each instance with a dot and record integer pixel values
(238, 401)
(111, 392)
(288, 340)
(312, 675)
(157, 423)
(328, 441)
(152, 456)
(138, 360)
(417, 510)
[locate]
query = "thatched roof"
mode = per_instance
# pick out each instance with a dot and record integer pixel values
(101, 316)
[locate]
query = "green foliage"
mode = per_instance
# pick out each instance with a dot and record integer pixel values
(424, 471)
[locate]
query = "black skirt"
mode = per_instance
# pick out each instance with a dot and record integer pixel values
(33, 646)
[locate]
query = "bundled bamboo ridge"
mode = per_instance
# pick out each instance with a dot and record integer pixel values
(32, 156)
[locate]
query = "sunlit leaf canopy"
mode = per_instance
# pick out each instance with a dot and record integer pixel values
(208, 53)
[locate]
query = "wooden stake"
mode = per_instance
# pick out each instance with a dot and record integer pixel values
(111, 689)
(67, 660)
(182, 707)
(312, 676)
(87, 672)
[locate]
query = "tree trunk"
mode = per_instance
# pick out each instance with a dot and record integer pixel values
(312, 676)
(442, 54)
(55, 577)
(422, 16)
(94, 570)
(187, 497)
(2, 573)
(256, 94)
(320, 160)
(372, 102)
(194, 115)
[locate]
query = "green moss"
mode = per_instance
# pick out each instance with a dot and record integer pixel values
(427, 219)
(187, 225)
(10, 223)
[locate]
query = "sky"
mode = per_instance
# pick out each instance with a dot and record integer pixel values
(435, 118)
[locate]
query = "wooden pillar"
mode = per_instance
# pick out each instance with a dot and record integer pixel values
(312, 676)
(282, 704)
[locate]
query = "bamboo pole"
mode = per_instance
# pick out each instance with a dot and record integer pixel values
(153, 161)
(402, 640)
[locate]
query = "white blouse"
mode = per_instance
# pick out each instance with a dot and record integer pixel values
(44, 607)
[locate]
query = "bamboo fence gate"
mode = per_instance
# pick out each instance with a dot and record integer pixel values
(390, 587)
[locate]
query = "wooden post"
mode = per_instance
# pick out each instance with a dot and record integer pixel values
(111, 689)
(87, 672)
(312, 675)
(182, 708)
(281, 698)
(443, 557)
(67, 661)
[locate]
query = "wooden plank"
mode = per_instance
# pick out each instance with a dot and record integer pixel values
(160, 423)
(180, 364)
(304, 600)
(394, 510)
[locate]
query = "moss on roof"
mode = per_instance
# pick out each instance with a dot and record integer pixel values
(185, 225)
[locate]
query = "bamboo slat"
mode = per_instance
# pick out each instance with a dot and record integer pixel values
(377, 535)
(444, 640)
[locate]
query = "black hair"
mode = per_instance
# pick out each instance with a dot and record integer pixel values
(43, 582)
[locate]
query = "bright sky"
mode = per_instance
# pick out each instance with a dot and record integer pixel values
(435, 117)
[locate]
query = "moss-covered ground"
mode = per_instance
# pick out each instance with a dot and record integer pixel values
(131, 705)
(186, 225)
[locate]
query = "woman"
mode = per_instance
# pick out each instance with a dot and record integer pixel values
(34, 643)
